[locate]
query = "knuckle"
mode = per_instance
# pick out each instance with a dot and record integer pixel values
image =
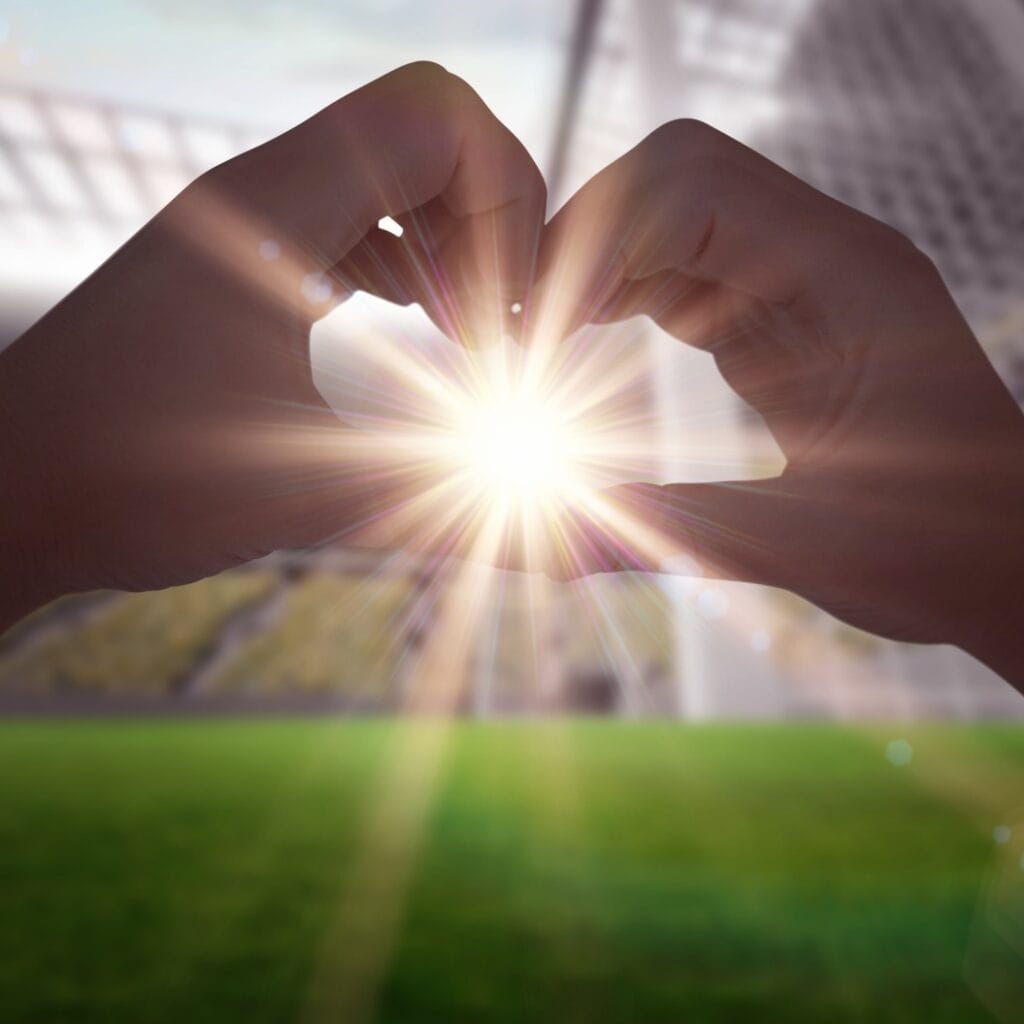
(430, 88)
(901, 250)
(908, 250)
(425, 73)
(919, 266)
(228, 176)
(423, 82)
(883, 254)
(706, 153)
(430, 78)
(685, 133)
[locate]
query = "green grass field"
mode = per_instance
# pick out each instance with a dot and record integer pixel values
(586, 871)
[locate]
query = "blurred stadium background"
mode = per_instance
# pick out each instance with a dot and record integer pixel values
(423, 870)
(913, 112)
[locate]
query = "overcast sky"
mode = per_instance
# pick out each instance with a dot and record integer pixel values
(272, 62)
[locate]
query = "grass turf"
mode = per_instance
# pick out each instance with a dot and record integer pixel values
(572, 871)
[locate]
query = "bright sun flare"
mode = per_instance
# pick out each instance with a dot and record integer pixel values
(517, 449)
(500, 453)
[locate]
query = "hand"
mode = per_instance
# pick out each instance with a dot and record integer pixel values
(901, 508)
(161, 423)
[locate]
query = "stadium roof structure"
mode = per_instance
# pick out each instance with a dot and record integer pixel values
(78, 176)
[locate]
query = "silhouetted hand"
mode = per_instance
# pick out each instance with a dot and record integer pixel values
(901, 508)
(161, 423)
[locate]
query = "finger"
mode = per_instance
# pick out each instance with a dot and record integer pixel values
(754, 531)
(701, 313)
(690, 199)
(398, 271)
(405, 268)
(381, 265)
(415, 137)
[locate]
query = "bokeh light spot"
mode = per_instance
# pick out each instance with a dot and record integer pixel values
(899, 752)
(269, 249)
(316, 288)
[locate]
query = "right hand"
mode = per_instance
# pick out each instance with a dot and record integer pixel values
(901, 507)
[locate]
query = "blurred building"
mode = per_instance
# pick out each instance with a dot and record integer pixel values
(912, 110)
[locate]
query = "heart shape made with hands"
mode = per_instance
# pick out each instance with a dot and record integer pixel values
(496, 451)
(824, 336)
(188, 435)
(518, 443)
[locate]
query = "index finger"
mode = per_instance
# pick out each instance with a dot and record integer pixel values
(690, 200)
(418, 138)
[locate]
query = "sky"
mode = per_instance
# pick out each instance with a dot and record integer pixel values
(264, 65)
(271, 63)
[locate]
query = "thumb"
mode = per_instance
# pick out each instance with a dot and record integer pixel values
(749, 530)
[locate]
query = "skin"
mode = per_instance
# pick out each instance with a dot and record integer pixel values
(901, 507)
(161, 423)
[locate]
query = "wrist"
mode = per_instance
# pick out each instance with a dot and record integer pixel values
(994, 633)
(33, 530)
(1002, 650)
(991, 624)
(24, 586)
(28, 580)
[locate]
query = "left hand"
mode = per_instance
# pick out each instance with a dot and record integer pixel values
(161, 423)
